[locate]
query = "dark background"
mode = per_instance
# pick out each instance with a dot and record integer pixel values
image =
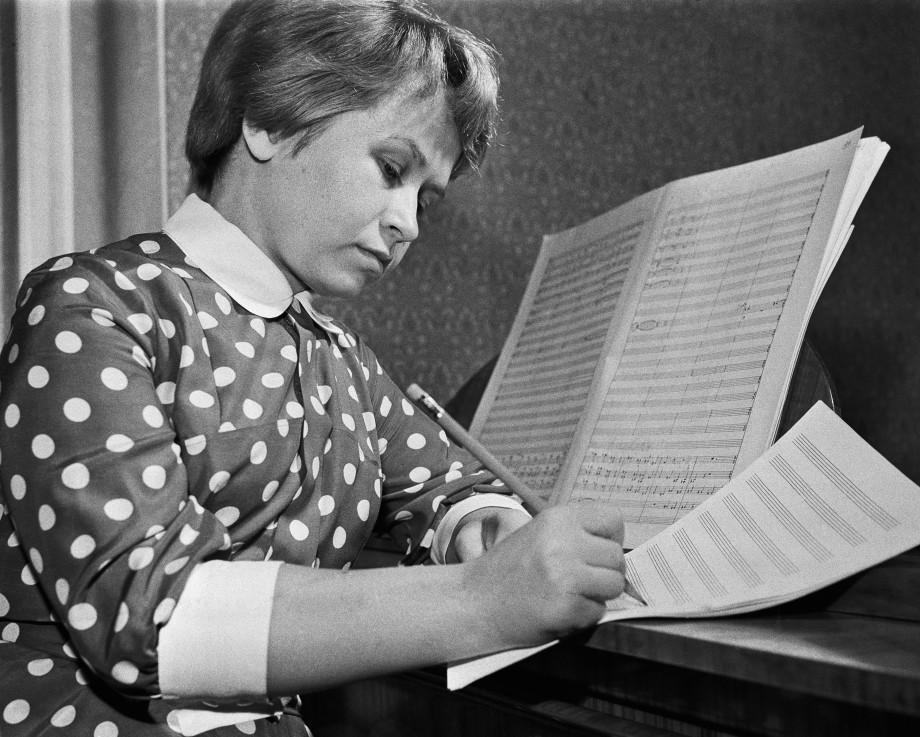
(606, 99)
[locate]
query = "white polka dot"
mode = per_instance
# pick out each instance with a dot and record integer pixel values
(118, 509)
(175, 566)
(16, 711)
(324, 392)
(382, 445)
(273, 380)
(407, 407)
(4, 605)
(167, 392)
(314, 468)
(76, 285)
(40, 666)
(258, 453)
(154, 477)
(105, 729)
(224, 376)
(17, 486)
(114, 379)
(436, 502)
(82, 546)
(290, 353)
(149, 247)
(36, 315)
(338, 537)
(152, 416)
(63, 717)
(370, 421)
(223, 304)
(141, 358)
(122, 619)
(196, 444)
(80, 677)
(187, 357)
(295, 409)
(349, 472)
(62, 589)
(36, 558)
(119, 443)
(258, 325)
(77, 409)
(326, 504)
(168, 327)
(246, 349)
(102, 317)
(68, 341)
(283, 427)
(188, 535)
(247, 727)
(46, 517)
(317, 406)
(140, 558)
(348, 421)
(164, 611)
(10, 633)
(42, 446)
(207, 321)
(201, 399)
(75, 476)
(426, 541)
(403, 515)
(123, 282)
(227, 515)
(454, 473)
(253, 410)
(65, 262)
(13, 354)
(38, 377)
(81, 616)
(364, 509)
(269, 491)
(141, 322)
(299, 531)
(146, 272)
(12, 415)
(416, 441)
(385, 406)
(218, 481)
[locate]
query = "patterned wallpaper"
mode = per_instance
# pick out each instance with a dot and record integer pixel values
(605, 99)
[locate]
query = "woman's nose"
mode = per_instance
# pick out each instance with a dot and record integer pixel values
(401, 218)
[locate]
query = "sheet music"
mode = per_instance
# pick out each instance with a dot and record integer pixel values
(818, 506)
(546, 380)
(670, 427)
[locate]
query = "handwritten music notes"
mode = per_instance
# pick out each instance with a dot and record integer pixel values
(546, 378)
(818, 506)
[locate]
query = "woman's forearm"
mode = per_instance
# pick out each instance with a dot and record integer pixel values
(329, 627)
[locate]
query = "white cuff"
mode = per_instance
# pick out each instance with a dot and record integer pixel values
(215, 644)
(445, 531)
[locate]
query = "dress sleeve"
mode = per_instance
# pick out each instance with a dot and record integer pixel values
(92, 469)
(424, 473)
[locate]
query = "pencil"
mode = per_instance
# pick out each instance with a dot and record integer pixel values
(484, 456)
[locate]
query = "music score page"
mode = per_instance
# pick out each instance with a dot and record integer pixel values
(695, 377)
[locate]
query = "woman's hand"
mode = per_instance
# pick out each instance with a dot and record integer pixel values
(551, 576)
(481, 530)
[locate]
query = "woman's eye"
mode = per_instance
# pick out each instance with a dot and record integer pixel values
(390, 172)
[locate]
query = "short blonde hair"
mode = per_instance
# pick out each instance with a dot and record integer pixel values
(290, 66)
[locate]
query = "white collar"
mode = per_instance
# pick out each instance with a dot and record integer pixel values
(239, 266)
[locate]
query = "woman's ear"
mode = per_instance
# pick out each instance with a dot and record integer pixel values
(260, 143)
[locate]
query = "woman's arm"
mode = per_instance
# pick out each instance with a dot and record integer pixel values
(545, 580)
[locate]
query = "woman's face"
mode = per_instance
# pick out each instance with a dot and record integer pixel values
(334, 216)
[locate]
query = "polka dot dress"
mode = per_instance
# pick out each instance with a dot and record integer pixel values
(148, 422)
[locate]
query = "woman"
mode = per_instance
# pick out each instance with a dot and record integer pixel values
(192, 454)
